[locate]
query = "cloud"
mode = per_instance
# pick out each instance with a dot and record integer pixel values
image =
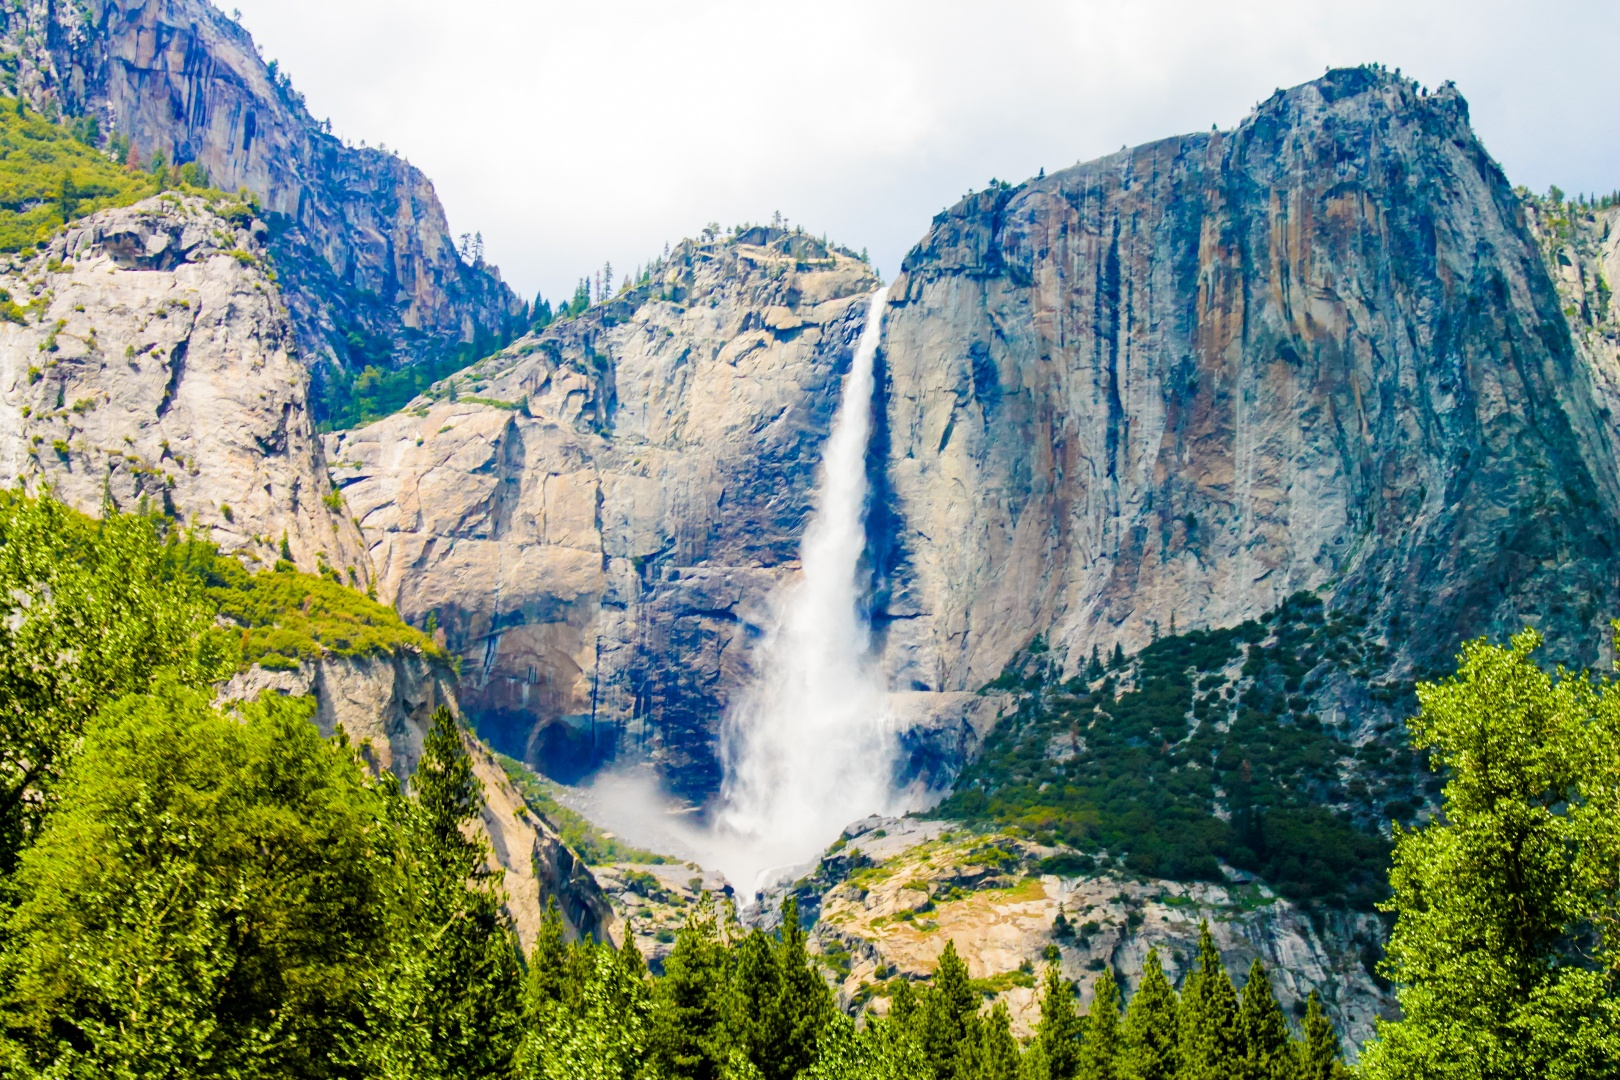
(570, 134)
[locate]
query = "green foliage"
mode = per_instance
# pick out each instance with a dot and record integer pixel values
(205, 902)
(1152, 1029)
(290, 616)
(1262, 1031)
(1057, 1036)
(372, 383)
(88, 614)
(1100, 1048)
(1144, 786)
(1505, 945)
(1210, 1044)
(50, 176)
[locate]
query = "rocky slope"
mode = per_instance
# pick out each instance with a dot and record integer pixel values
(155, 366)
(593, 517)
(893, 892)
(1185, 381)
(146, 360)
(369, 266)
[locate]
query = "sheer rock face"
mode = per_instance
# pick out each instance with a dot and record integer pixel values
(1182, 382)
(599, 549)
(156, 366)
(359, 234)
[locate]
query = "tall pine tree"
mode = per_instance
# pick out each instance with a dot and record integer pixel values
(1152, 1030)
(1268, 1053)
(1057, 1035)
(1100, 1048)
(1319, 1052)
(688, 1039)
(1209, 1044)
(946, 1013)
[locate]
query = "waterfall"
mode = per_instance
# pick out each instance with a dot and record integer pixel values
(808, 748)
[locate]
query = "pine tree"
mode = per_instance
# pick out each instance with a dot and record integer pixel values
(473, 985)
(992, 1052)
(1100, 1048)
(1058, 1033)
(1268, 1053)
(945, 1013)
(1094, 669)
(1319, 1052)
(804, 1004)
(1118, 659)
(1208, 1045)
(688, 1036)
(1151, 1031)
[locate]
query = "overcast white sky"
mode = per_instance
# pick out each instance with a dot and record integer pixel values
(573, 133)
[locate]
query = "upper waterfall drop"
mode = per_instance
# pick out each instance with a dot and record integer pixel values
(809, 747)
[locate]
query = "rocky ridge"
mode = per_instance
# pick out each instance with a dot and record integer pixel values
(371, 272)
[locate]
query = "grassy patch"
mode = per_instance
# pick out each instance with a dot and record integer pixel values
(285, 616)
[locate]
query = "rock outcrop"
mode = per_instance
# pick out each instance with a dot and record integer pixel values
(370, 271)
(1320, 351)
(896, 891)
(594, 516)
(154, 365)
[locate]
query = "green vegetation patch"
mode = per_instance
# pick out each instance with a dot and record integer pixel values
(286, 616)
(1198, 763)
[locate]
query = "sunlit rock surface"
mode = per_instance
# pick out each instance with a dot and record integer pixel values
(362, 243)
(157, 369)
(594, 521)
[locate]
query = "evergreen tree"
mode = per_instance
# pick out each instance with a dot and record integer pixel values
(991, 1052)
(1208, 1046)
(205, 901)
(1057, 1035)
(945, 1013)
(803, 1005)
(1268, 1053)
(1118, 659)
(1151, 1032)
(1094, 667)
(1319, 1052)
(688, 1038)
(470, 981)
(1100, 1047)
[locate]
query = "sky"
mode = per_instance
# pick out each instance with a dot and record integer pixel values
(570, 134)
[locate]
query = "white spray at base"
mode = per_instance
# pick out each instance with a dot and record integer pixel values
(809, 747)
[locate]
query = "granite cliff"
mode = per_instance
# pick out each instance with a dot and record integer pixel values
(1171, 388)
(1179, 384)
(370, 272)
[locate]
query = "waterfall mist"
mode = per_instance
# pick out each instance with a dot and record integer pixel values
(809, 747)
